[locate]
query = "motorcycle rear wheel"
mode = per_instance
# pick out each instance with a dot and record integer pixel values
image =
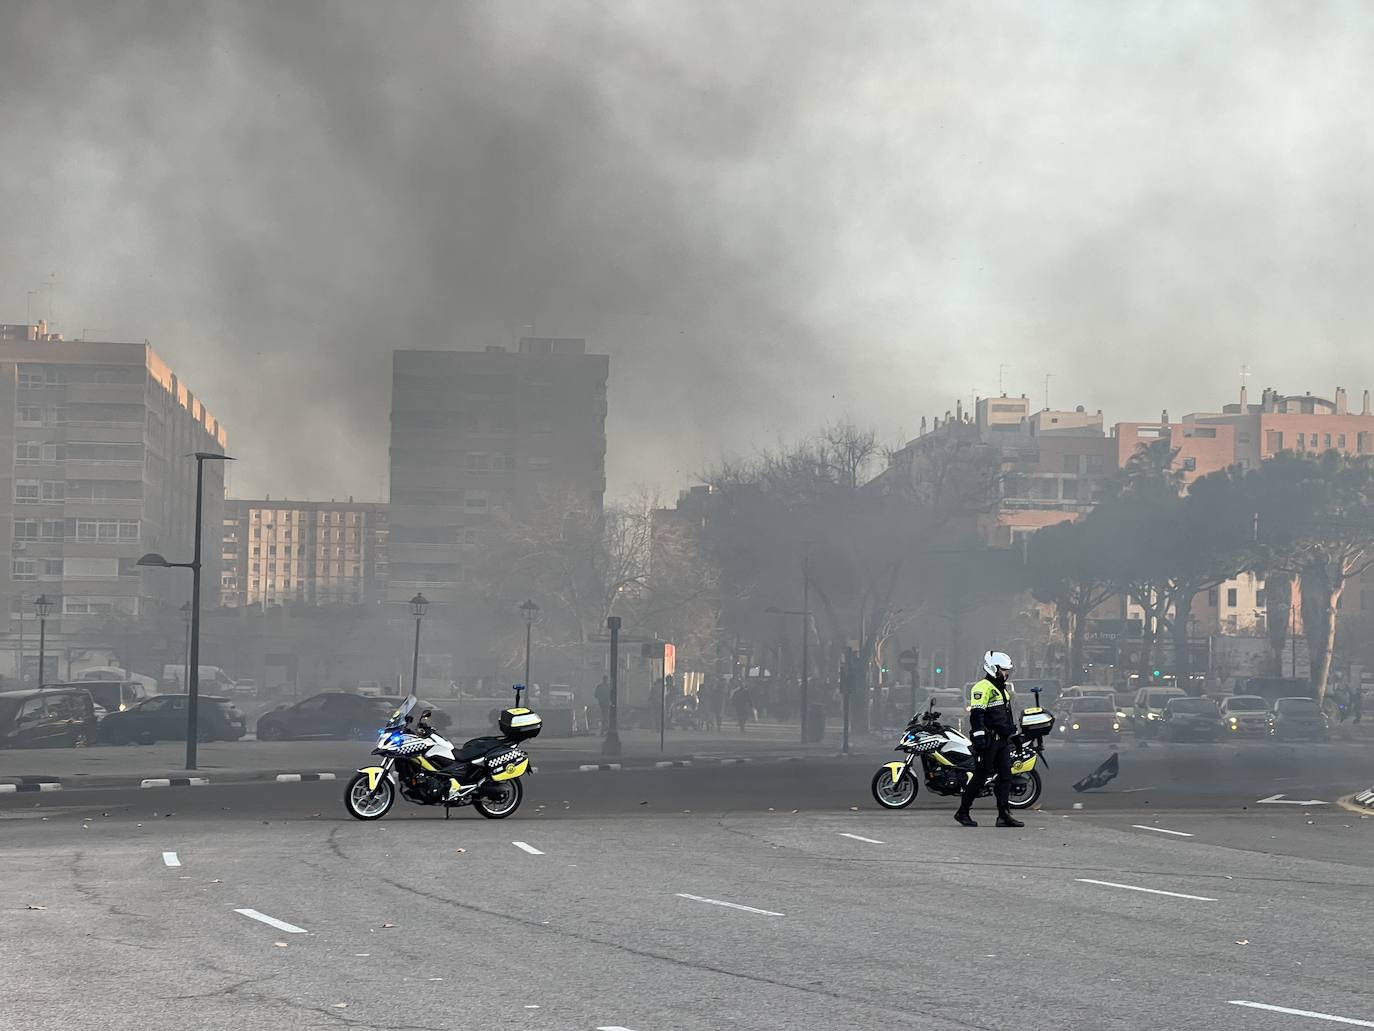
(1025, 789)
(499, 808)
(363, 804)
(894, 796)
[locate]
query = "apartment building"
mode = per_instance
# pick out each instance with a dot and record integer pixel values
(480, 438)
(95, 439)
(308, 552)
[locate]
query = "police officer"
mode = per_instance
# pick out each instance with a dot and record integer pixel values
(992, 726)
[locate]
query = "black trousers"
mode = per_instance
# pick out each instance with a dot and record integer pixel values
(992, 758)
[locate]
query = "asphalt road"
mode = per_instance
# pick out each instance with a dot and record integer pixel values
(1163, 907)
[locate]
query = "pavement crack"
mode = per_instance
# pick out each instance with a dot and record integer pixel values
(905, 1010)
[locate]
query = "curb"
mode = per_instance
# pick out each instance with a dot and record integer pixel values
(174, 782)
(284, 778)
(593, 767)
(9, 789)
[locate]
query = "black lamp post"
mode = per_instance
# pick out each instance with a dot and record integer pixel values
(610, 745)
(155, 560)
(42, 606)
(529, 610)
(805, 613)
(186, 614)
(418, 605)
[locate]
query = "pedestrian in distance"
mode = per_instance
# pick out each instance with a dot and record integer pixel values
(993, 726)
(744, 705)
(714, 699)
(602, 694)
(1356, 703)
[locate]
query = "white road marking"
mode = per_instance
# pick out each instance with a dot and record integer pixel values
(730, 905)
(857, 837)
(1280, 800)
(1127, 791)
(1160, 830)
(283, 778)
(1302, 1013)
(613, 1027)
(170, 858)
(526, 847)
(1152, 891)
(271, 921)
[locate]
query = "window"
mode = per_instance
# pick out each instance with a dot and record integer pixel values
(1326, 440)
(1095, 463)
(52, 567)
(1341, 442)
(1302, 441)
(1259, 598)
(26, 529)
(1071, 463)
(1190, 465)
(54, 490)
(31, 376)
(1070, 488)
(1212, 597)
(540, 462)
(27, 492)
(54, 529)
(476, 502)
(107, 529)
(31, 415)
(25, 569)
(1231, 597)
(1242, 438)
(478, 462)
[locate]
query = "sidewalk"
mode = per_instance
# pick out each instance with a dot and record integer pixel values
(241, 761)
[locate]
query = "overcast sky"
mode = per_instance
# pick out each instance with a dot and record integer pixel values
(770, 215)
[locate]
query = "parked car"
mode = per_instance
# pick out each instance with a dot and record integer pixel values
(1190, 719)
(1245, 715)
(1298, 718)
(1148, 709)
(1091, 719)
(163, 718)
(110, 695)
(336, 715)
(439, 719)
(58, 717)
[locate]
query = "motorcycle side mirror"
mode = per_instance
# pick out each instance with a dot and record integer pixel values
(426, 714)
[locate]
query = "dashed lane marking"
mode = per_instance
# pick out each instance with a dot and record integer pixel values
(1331, 1017)
(1161, 830)
(170, 859)
(860, 837)
(525, 846)
(271, 921)
(613, 1027)
(729, 905)
(1150, 891)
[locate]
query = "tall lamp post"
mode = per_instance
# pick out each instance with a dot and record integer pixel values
(155, 560)
(805, 613)
(529, 610)
(186, 615)
(42, 606)
(418, 605)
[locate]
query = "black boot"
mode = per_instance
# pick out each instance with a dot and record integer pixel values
(963, 818)
(1005, 819)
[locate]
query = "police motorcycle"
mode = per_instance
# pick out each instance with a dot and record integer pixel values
(426, 769)
(947, 760)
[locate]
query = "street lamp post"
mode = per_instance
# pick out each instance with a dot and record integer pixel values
(186, 614)
(193, 660)
(418, 605)
(611, 744)
(42, 606)
(805, 613)
(530, 610)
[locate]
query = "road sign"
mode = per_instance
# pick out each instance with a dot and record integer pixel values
(908, 660)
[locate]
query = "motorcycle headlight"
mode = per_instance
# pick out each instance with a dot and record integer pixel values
(1153, 716)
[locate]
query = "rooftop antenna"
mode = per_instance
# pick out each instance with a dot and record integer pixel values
(1001, 369)
(1048, 376)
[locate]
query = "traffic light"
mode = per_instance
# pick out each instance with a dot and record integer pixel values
(1155, 673)
(939, 669)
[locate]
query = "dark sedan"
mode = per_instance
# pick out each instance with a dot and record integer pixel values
(1298, 718)
(1191, 719)
(334, 715)
(52, 718)
(163, 718)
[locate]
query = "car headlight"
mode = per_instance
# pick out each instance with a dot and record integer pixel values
(1234, 720)
(1121, 715)
(1075, 726)
(1153, 716)
(1116, 726)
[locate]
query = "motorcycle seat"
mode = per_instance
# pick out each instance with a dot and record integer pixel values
(477, 747)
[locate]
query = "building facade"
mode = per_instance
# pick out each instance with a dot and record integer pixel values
(308, 552)
(95, 446)
(479, 438)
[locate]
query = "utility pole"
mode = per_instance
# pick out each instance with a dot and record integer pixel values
(806, 638)
(1048, 376)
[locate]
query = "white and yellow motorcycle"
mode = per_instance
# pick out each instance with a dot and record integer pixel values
(947, 761)
(424, 768)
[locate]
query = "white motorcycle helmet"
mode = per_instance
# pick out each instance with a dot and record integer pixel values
(997, 662)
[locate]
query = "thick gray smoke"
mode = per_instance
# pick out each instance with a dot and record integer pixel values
(769, 214)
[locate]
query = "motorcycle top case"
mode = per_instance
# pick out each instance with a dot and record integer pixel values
(1036, 722)
(520, 724)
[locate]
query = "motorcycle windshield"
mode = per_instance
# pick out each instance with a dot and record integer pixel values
(398, 717)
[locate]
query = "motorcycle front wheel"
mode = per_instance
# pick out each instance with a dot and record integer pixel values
(364, 804)
(505, 799)
(1025, 789)
(892, 795)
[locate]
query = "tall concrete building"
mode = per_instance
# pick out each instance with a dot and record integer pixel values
(313, 552)
(483, 437)
(94, 446)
